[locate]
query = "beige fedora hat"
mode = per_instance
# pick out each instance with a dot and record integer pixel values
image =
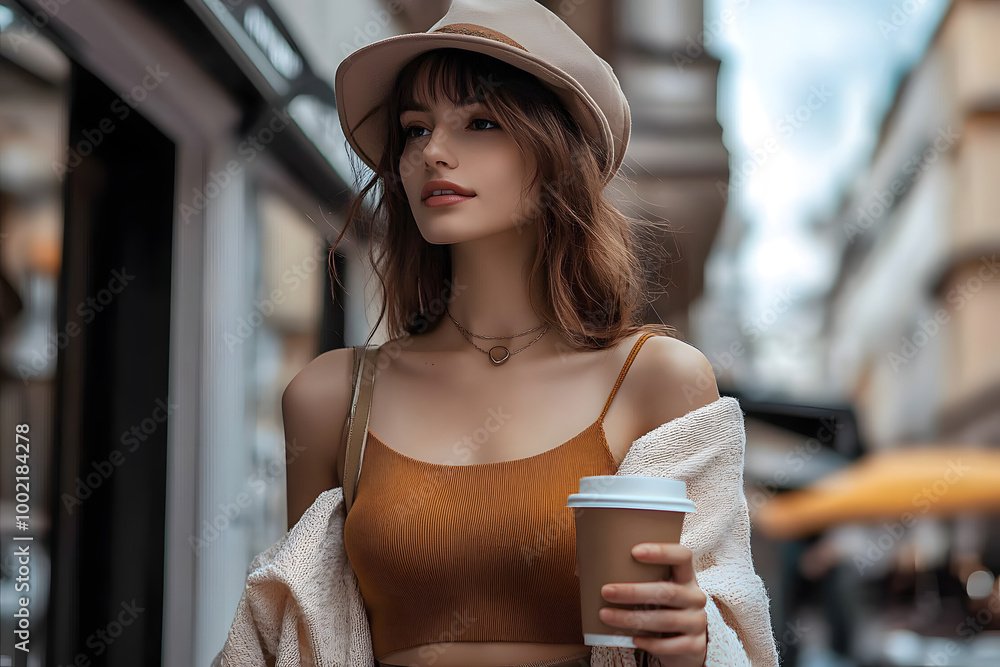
(522, 33)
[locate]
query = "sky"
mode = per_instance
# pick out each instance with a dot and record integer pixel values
(831, 65)
(803, 89)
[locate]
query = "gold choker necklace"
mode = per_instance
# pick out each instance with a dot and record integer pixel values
(499, 349)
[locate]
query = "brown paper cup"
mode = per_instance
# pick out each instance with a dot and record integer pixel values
(613, 513)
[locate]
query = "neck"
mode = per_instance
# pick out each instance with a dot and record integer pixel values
(490, 294)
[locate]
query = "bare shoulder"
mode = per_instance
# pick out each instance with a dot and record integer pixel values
(314, 411)
(674, 378)
(318, 382)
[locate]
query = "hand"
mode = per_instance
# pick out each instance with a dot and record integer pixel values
(675, 606)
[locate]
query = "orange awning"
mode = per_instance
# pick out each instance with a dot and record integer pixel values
(899, 485)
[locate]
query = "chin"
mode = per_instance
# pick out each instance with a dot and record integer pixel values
(447, 234)
(437, 234)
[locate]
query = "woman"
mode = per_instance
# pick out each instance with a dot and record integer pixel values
(515, 295)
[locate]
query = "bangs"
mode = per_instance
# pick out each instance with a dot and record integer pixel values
(442, 72)
(467, 77)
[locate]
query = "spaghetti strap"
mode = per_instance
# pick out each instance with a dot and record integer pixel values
(621, 376)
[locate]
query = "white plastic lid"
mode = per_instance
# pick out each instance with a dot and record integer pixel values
(639, 492)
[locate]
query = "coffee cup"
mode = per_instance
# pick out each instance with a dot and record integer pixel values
(613, 513)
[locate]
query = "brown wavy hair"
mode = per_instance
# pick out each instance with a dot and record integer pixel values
(597, 265)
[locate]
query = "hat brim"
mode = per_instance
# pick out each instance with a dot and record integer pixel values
(365, 78)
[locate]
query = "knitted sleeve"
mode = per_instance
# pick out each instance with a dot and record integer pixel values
(705, 449)
(301, 604)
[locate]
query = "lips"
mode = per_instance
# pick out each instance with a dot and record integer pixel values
(433, 186)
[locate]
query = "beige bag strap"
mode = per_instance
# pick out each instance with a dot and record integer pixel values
(363, 380)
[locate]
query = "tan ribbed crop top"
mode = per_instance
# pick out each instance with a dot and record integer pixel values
(482, 552)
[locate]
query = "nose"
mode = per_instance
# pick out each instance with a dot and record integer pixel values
(437, 149)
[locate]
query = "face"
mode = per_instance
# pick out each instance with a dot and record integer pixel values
(466, 146)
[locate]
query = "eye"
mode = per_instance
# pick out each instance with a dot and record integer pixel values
(485, 120)
(407, 131)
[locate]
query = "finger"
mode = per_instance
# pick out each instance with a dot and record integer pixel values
(680, 645)
(656, 594)
(678, 556)
(686, 621)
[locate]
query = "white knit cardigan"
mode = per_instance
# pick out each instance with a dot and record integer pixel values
(302, 605)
